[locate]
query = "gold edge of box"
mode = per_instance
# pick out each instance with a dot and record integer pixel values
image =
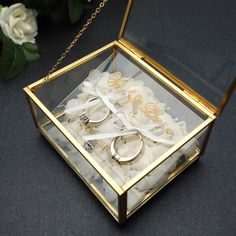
(31, 107)
(125, 18)
(227, 96)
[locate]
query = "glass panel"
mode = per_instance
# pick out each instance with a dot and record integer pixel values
(78, 163)
(165, 172)
(195, 40)
(139, 98)
(52, 93)
(40, 117)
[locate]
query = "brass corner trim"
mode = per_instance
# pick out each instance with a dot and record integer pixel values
(227, 96)
(125, 19)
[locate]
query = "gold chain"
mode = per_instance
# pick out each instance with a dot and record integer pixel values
(76, 38)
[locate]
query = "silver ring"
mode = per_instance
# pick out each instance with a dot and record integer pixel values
(85, 119)
(121, 159)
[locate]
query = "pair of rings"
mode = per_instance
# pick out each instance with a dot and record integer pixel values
(114, 143)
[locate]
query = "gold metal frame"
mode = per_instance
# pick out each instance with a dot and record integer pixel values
(121, 213)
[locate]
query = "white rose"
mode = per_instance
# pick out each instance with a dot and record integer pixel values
(18, 23)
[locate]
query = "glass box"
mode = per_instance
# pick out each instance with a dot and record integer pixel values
(136, 97)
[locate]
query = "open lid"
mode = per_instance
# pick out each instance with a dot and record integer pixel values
(193, 41)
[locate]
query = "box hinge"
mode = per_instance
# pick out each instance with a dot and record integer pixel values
(130, 48)
(199, 101)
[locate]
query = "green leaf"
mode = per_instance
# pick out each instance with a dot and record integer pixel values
(76, 8)
(1, 7)
(12, 59)
(30, 51)
(1, 35)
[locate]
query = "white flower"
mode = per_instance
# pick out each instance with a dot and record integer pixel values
(18, 23)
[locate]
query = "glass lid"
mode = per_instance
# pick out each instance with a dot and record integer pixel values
(194, 40)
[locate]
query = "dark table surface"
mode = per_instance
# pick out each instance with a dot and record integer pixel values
(40, 195)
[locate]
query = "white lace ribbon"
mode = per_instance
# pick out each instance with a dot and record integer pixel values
(129, 128)
(81, 107)
(91, 90)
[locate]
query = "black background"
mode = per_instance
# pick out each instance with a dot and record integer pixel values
(40, 195)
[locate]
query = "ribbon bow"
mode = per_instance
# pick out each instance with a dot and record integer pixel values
(129, 128)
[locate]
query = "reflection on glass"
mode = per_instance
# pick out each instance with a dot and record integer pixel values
(195, 40)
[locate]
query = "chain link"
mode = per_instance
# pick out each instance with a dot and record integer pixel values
(76, 38)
